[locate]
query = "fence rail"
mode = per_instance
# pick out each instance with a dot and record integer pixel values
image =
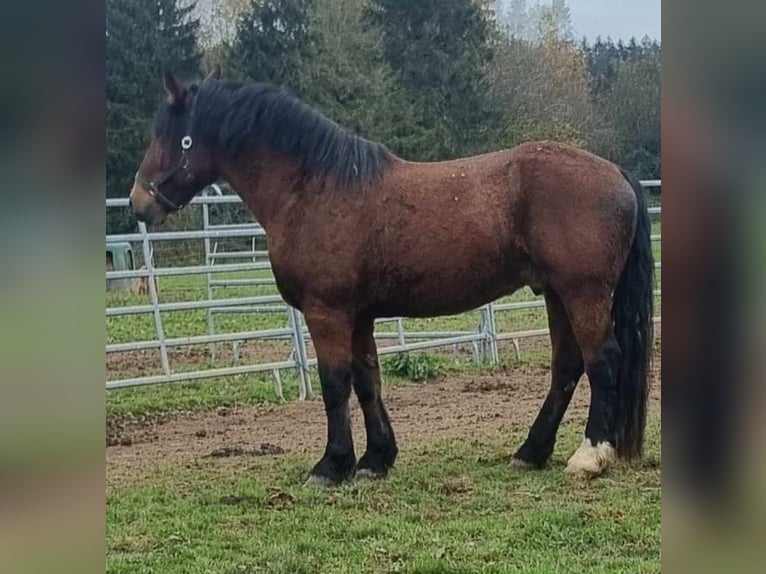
(217, 264)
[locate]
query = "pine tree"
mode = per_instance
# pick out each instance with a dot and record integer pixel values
(349, 80)
(441, 48)
(272, 43)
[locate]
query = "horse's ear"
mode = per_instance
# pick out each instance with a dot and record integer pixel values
(173, 88)
(215, 73)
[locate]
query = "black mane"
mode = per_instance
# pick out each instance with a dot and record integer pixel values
(238, 116)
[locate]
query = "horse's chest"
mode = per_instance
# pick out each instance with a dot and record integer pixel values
(289, 288)
(289, 280)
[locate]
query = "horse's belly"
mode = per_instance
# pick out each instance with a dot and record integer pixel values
(451, 292)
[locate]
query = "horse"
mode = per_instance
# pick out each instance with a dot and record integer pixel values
(356, 233)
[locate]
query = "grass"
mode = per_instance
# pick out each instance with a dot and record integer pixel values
(196, 395)
(417, 367)
(449, 506)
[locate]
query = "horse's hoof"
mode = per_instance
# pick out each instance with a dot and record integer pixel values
(590, 461)
(315, 480)
(370, 474)
(520, 464)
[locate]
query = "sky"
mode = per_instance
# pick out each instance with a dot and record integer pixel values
(620, 19)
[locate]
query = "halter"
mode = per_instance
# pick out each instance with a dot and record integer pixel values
(153, 187)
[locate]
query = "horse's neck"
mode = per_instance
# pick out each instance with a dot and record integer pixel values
(265, 182)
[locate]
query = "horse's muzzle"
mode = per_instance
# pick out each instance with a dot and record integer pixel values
(145, 207)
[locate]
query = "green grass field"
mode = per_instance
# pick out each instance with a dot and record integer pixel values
(449, 506)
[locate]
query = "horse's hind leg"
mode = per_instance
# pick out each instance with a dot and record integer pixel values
(590, 315)
(381, 443)
(566, 370)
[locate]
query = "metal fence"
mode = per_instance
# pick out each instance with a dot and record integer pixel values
(218, 265)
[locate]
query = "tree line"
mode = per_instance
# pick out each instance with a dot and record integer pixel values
(431, 79)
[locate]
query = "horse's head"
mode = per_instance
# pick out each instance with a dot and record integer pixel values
(176, 166)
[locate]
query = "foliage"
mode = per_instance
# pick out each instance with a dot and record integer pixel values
(349, 80)
(520, 20)
(605, 57)
(411, 366)
(625, 82)
(272, 42)
(218, 25)
(441, 50)
(542, 87)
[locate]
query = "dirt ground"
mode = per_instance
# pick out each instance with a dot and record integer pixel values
(458, 406)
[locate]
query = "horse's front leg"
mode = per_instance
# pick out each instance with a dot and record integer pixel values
(381, 443)
(331, 333)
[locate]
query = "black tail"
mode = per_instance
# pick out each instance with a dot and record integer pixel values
(632, 312)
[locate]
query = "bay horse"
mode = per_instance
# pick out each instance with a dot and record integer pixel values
(356, 233)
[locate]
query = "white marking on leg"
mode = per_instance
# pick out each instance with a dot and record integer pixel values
(589, 460)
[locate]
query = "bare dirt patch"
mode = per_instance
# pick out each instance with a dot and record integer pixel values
(463, 405)
(122, 430)
(264, 450)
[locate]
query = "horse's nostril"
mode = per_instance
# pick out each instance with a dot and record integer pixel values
(130, 202)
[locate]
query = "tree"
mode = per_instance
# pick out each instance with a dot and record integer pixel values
(553, 20)
(604, 57)
(542, 83)
(349, 80)
(142, 37)
(625, 87)
(516, 19)
(218, 22)
(441, 49)
(631, 108)
(272, 43)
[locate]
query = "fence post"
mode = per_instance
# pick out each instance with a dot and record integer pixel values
(149, 262)
(400, 330)
(480, 347)
(278, 385)
(494, 354)
(301, 355)
(215, 190)
(304, 354)
(210, 325)
(488, 328)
